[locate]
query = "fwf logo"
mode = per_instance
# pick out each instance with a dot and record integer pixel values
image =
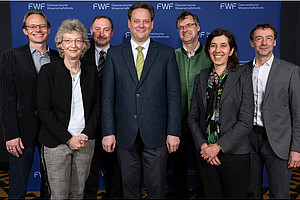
(36, 6)
(101, 6)
(164, 6)
(228, 6)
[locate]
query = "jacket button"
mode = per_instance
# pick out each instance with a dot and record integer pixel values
(137, 95)
(135, 116)
(190, 99)
(190, 85)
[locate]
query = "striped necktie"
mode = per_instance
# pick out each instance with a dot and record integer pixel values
(139, 62)
(101, 63)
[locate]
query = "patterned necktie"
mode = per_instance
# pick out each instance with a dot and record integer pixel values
(139, 62)
(101, 63)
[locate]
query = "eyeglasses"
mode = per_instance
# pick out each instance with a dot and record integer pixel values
(260, 39)
(188, 26)
(34, 26)
(69, 41)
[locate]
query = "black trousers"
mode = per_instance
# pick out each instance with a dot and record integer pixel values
(112, 174)
(279, 175)
(152, 162)
(180, 160)
(228, 180)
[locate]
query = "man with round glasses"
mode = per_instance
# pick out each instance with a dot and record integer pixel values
(190, 59)
(19, 69)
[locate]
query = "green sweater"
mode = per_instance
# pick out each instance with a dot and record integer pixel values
(188, 69)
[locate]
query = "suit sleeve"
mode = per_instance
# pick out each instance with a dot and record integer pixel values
(194, 116)
(46, 111)
(245, 118)
(8, 98)
(294, 94)
(173, 97)
(108, 97)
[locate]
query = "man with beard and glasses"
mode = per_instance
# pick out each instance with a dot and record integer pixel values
(102, 31)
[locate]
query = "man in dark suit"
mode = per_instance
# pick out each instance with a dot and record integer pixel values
(141, 105)
(19, 69)
(102, 30)
(275, 138)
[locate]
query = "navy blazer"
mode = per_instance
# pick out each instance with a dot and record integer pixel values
(18, 107)
(152, 106)
(236, 112)
(54, 93)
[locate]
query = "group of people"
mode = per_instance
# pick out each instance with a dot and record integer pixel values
(132, 105)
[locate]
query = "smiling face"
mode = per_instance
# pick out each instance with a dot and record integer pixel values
(71, 46)
(140, 25)
(188, 30)
(219, 51)
(102, 32)
(36, 35)
(263, 42)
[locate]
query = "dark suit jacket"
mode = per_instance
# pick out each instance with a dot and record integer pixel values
(18, 80)
(89, 57)
(281, 107)
(152, 106)
(54, 94)
(236, 112)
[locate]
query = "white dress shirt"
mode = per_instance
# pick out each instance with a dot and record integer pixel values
(135, 51)
(260, 77)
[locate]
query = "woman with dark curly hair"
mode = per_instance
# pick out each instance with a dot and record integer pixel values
(221, 117)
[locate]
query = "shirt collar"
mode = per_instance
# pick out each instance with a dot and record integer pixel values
(105, 49)
(194, 51)
(268, 63)
(145, 44)
(33, 50)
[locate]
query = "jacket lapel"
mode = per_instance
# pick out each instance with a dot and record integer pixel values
(203, 84)
(129, 62)
(230, 82)
(272, 76)
(28, 60)
(151, 55)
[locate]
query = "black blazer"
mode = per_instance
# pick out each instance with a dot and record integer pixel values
(18, 108)
(54, 94)
(236, 112)
(89, 57)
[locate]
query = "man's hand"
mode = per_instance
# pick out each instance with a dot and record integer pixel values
(109, 143)
(172, 143)
(15, 146)
(294, 159)
(78, 142)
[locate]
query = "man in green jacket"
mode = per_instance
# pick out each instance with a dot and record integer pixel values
(191, 60)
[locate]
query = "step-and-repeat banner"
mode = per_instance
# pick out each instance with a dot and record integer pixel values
(240, 17)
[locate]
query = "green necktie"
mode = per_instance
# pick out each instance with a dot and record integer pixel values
(139, 62)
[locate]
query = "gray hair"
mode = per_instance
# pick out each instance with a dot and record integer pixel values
(67, 26)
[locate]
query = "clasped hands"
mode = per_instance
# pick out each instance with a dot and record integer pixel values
(210, 152)
(78, 142)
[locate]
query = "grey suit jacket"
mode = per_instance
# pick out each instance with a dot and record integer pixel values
(281, 107)
(151, 105)
(236, 112)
